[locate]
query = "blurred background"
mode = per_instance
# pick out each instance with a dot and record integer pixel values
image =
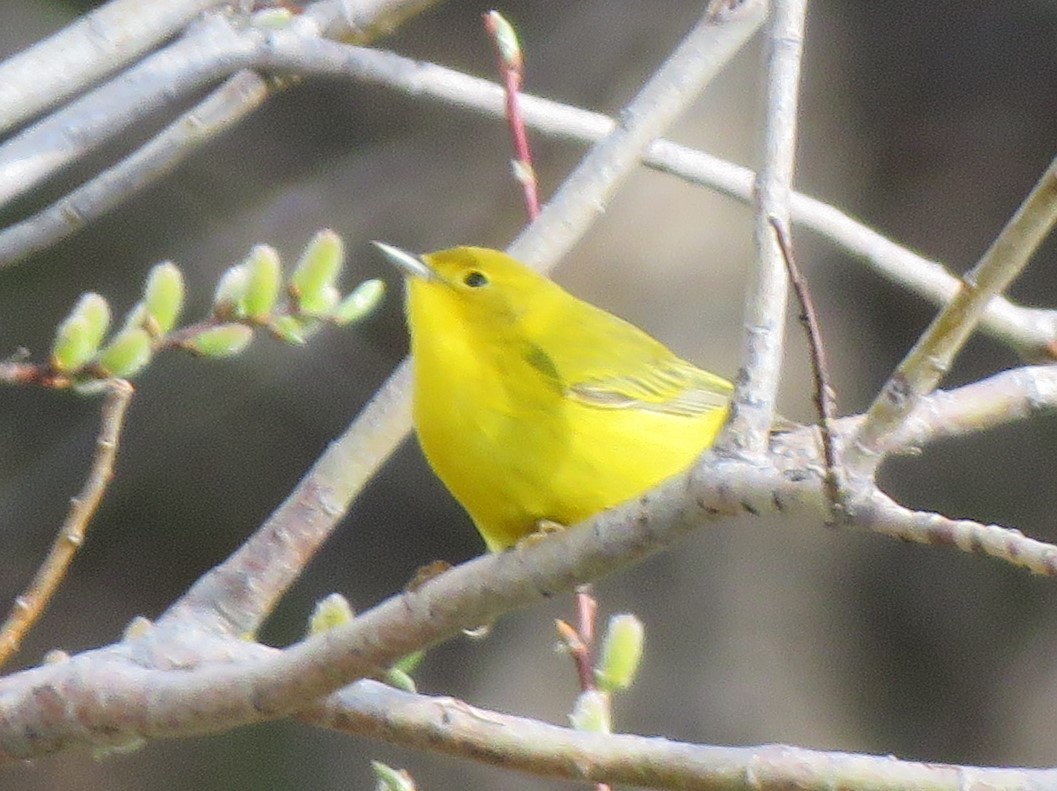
(928, 120)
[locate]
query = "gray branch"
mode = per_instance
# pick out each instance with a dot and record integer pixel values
(92, 47)
(756, 386)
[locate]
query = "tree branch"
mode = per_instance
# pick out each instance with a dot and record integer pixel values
(30, 605)
(1030, 331)
(584, 194)
(131, 691)
(450, 726)
(81, 53)
(222, 109)
(756, 386)
(926, 363)
(213, 51)
(1001, 399)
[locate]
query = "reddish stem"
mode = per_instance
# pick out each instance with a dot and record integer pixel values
(512, 72)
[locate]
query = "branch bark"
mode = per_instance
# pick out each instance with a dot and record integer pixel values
(756, 386)
(95, 45)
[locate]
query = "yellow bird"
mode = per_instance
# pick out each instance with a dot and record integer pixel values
(533, 406)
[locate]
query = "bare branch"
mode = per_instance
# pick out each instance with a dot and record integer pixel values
(756, 386)
(222, 109)
(1001, 399)
(81, 53)
(214, 691)
(452, 727)
(1028, 330)
(159, 81)
(274, 556)
(925, 364)
(511, 68)
(883, 515)
(361, 21)
(31, 604)
(210, 51)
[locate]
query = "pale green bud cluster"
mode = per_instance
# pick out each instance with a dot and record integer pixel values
(247, 296)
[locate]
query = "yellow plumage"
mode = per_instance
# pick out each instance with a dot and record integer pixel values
(532, 405)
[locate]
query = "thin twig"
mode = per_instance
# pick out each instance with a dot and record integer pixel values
(824, 393)
(930, 358)
(222, 109)
(753, 404)
(30, 605)
(579, 640)
(275, 555)
(510, 63)
(586, 613)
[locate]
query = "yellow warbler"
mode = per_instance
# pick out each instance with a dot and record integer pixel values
(533, 406)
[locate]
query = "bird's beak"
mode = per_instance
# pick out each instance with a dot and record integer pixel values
(407, 263)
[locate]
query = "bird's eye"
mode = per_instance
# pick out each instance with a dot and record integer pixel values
(475, 279)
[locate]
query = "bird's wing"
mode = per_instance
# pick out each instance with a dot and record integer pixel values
(671, 386)
(599, 360)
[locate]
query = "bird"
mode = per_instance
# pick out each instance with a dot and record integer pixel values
(537, 409)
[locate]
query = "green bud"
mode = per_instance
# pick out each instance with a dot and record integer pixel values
(262, 281)
(126, 354)
(621, 652)
(390, 779)
(163, 296)
(312, 282)
(140, 317)
(96, 312)
(410, 662)
(323, 303)
(399, 675)
(361, 301)
(505, 40)
(289, 329)
(72, 347)
(220, 341)
(231, 290)
(330, 611)
(397, 678)
(591, 712)
(77, 339)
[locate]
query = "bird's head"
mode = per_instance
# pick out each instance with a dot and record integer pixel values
(474, 285)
